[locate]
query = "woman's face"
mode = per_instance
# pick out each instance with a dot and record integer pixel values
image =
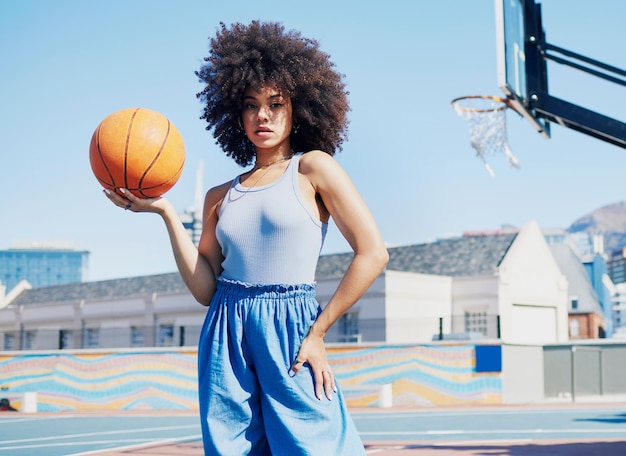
(266, 117)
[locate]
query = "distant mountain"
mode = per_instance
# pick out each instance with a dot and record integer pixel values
(608, 220)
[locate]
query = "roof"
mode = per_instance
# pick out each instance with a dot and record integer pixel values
(461, 256)
(127, 287)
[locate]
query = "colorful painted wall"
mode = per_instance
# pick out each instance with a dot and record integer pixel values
(151, 380)
(166, 379)
(420, 375)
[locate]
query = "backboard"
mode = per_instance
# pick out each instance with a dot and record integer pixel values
(522, 56)
(520, 71)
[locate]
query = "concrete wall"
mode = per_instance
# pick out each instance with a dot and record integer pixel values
(477, 294)
(415, 302)
(522, 374)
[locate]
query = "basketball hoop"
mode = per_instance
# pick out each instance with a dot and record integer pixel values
(486, 116)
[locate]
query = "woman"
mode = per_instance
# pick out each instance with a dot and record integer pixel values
(272, 98)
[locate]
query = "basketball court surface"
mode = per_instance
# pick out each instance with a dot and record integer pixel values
(563, 429)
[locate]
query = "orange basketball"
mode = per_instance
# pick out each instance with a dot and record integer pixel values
(137, 149)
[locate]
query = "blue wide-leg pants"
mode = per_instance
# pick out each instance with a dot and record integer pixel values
(249, 404)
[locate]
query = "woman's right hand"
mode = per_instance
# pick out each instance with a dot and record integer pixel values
(133, 203)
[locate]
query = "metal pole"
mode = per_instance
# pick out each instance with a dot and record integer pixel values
(601, 374)
(498, 326)
(573, 375)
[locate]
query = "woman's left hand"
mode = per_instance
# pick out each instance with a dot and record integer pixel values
(313, 352)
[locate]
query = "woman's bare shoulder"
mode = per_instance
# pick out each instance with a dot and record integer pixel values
(315, 160)
(217, 193)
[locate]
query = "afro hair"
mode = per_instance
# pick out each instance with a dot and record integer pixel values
(260, 54)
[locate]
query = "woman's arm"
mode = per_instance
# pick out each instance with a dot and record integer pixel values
(195, 265)
(357, 225)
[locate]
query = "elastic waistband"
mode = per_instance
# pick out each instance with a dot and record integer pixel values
(260, 288)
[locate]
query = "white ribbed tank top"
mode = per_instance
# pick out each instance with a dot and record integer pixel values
(268, 234)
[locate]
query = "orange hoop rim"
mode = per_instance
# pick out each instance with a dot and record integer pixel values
(505, 103)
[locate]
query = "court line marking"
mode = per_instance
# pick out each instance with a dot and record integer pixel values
(101, 433)
(410, 446)
(68, 444)
(375, 415)
(188, 438)
(495, 431)
(140, 443)
(31, 418)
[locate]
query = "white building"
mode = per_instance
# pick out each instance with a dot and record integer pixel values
(505, 286)
(619, 311)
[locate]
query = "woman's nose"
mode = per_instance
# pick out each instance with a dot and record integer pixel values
(263, 113)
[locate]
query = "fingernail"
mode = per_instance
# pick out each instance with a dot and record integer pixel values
(292, 373)
(123, 190)
(106, 191)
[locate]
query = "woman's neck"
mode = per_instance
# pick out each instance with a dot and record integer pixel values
(266, 161)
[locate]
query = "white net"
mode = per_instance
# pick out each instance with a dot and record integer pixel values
(486, 117)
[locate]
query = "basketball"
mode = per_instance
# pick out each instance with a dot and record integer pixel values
(137, 149)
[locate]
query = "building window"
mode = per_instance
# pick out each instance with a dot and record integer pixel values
(30, 338)
(9, 341)
(137, 338)
(349, 327)
(92, 338)
(476, 322)
(66, 339)
(166, 335)
(573, 302)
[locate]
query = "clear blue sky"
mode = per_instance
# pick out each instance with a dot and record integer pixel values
(67, 64)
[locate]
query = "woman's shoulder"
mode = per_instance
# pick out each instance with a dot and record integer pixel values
(315, 160)
(217, 193)
(322, 170)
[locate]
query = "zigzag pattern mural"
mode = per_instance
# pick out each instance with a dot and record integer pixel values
(419, 375)
(167, 380)
(104, 381)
